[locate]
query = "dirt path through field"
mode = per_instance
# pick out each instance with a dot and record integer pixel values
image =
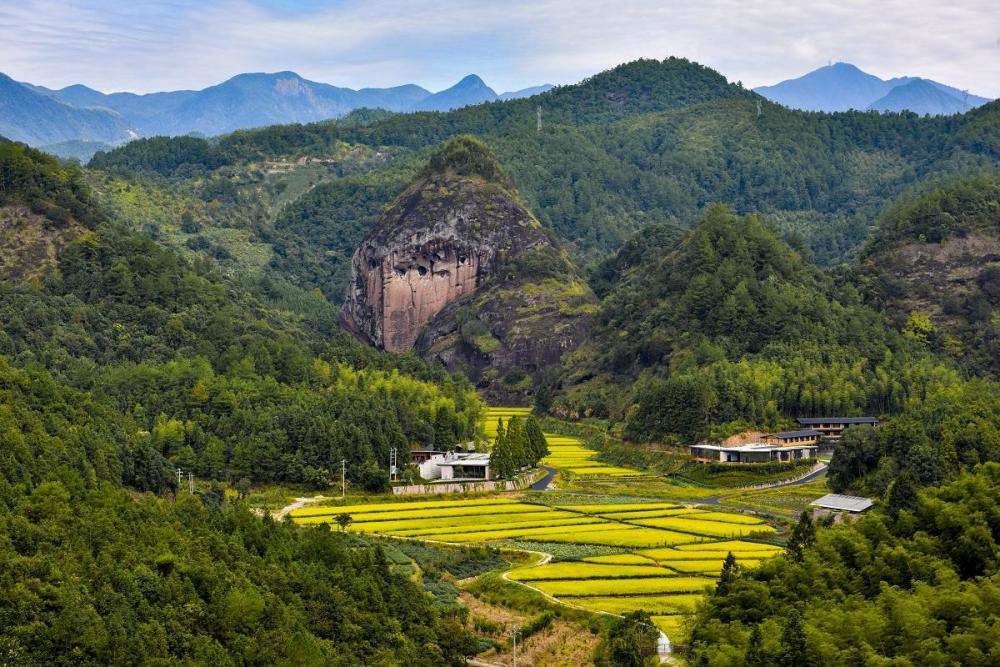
(299, 503)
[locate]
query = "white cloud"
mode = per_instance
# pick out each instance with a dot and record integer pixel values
(162, 44)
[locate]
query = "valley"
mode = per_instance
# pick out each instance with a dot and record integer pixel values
(644, 357)
(599, 552)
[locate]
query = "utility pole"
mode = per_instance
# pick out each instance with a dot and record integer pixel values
(180, 477)
(538, 119)
(191, 483)
(517, 629)
(758, 108)
(343, 478)
(392, 464)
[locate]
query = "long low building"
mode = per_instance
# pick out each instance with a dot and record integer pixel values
(835, 502)
(755, 452)
(833, 427)
(808, 436)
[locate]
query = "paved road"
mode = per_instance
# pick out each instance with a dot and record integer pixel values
(543, 483)
(812, 476)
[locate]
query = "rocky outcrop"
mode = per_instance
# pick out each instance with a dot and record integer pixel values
(438, 242)
(459, 270)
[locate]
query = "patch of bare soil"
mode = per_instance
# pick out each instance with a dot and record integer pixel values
(30, 243)
(562, 644)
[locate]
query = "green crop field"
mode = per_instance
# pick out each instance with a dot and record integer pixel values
(602, 508)
(652, 514)
(354, 510)
(613, 552)
(619, 559)
(623, 587)
(569, 570)
(731, 545)
(697, 526)
(656, 604)
(713, 566)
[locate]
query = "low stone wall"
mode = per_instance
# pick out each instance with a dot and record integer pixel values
(521, 482)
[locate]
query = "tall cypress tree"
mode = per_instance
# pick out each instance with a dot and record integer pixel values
(517, 443)
(754, 656)
(803, 535)
(501, 462)
(730, 569)
(537, 444)
(793, 642)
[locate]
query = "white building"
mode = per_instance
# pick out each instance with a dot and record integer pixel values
(835, 502)
(753, 452)
(457, 466)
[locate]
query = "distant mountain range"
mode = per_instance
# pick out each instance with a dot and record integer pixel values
(76, 121)
(842, 86)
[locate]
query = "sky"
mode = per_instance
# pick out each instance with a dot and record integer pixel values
(151, 45)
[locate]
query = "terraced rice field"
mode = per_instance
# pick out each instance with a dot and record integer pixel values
(670, 554)
(665, 570)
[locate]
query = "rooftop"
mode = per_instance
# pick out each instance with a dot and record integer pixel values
(835, 501)
(809, 421)
(480, 459)
(751, 447)
(805, 433)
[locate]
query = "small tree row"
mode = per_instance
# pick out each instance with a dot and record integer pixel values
(520, 445)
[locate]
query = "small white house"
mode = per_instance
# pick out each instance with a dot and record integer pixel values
(456, 466)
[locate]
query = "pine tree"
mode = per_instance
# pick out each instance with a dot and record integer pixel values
(517, 442)
(803, 535)
(730, 570)
(501, 463)
(903, 493)
(755, 649)
(536, 440)
(793, 642)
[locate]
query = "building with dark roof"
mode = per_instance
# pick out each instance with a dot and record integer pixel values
(833, 427)
(808, 436)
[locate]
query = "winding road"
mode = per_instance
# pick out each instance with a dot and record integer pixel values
(543, 483)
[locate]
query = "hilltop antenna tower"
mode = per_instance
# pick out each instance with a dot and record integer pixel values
(538, 119)
(758, 109)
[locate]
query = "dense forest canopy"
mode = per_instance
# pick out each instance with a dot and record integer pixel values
(647, 142)
(127, 362)
(913, 585)
(933, 264)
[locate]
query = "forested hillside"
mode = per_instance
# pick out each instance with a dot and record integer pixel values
(934, 264)
(914, 585)
(126, 362)
(645, 142)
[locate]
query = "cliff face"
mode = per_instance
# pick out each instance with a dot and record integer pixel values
(439, 241)
(459, 271)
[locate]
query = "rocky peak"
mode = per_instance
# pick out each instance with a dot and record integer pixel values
(461, 272)
(441, 239)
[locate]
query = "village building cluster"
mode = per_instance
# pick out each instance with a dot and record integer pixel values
(816, 434)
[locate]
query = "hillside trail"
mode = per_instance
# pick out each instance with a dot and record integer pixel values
(284, 511)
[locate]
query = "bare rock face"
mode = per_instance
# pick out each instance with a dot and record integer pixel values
(439, 241)
(459, 271)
